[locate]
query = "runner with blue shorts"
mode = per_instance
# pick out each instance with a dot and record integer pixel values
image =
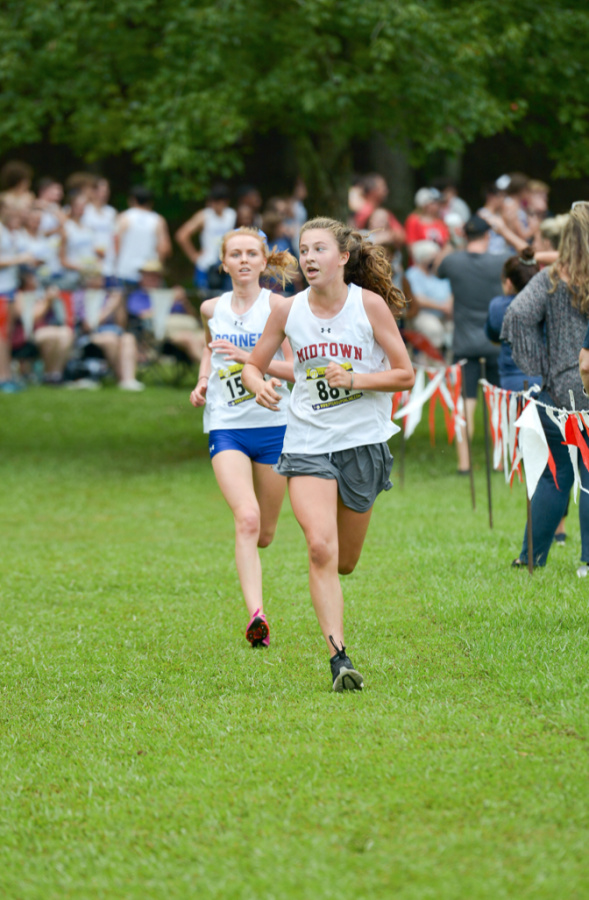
(245, 439)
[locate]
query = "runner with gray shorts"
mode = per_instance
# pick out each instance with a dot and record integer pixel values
(348, 359)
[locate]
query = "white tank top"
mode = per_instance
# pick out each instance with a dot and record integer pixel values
(212, 234)
(101, 221)
(229, 404)
(323, 419)
(138, 242)
(79, 244)
(8, 248)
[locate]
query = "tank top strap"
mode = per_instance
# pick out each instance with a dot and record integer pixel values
(356, 295)
(264, 300)
(223, 305)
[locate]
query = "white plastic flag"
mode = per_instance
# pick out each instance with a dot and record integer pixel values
(28, 301)
(93, 303)
(162, 300)
(534, 446)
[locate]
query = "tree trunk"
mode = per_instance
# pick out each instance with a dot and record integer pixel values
(325, 162)
(390, 158)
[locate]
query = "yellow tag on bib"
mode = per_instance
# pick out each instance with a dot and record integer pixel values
(325, 397)
(233, 389)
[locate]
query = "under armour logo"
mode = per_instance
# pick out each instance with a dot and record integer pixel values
(326, 331)
(237, 323)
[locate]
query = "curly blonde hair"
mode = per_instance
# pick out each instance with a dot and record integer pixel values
(573, 260)
(280, 264)
(367, 266)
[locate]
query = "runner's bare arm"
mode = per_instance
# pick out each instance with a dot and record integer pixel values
(261, 358)
(198, 397)
(277, 368)
(400, 377)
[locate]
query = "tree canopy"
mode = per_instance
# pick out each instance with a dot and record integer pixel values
(185, 85)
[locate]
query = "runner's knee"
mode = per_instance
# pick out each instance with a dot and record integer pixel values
(247, 522)
(265, 539)
(321, 550)
(346, 567)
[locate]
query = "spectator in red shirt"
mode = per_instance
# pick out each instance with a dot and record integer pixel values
(376, 191)
(425, 223)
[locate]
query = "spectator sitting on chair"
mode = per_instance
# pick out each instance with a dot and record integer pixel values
(182, 328)
(118, 346)
(434, 296)
(52, 339)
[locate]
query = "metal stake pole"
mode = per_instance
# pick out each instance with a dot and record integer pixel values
(529, 511)
(468, 444)
(483, 363)
(402, 457)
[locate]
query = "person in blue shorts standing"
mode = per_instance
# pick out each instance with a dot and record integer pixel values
(245, 439)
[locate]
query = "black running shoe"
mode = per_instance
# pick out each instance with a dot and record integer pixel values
(345, 676)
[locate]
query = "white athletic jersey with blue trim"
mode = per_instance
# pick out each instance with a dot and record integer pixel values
(229, 403)
(323, 419)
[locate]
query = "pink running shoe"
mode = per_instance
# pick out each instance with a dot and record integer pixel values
(258, 630)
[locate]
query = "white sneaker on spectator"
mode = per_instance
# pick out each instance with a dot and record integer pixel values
(131, 384)
(83, 384)
(583, 571)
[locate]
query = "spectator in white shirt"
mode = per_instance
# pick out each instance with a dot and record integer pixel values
(141, 235)
(433, 295)
(78, 244)
(101, 218)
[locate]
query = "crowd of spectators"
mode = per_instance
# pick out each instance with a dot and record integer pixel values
(78, 278)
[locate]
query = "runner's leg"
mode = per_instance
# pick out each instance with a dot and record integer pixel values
(269, 488)
(233, 471)
(314, 503)
(352, 527)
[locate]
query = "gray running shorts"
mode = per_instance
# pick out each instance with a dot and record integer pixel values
(361, 472)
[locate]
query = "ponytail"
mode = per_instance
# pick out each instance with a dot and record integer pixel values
(367, 266)
(280, 264)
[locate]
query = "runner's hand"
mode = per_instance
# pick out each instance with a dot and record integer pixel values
(229, 350)
(338, 377)
(267, 396)
(199, 395)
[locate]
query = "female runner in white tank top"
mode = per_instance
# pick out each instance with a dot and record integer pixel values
(245, 440)
(348, 358)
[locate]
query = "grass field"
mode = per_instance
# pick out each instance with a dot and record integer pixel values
(147, 752)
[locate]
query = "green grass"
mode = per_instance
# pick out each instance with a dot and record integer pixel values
(146, 752)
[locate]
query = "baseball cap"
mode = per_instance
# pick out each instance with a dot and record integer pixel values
(476, 227)
(427, 195)
(152, 265)
(424, 251)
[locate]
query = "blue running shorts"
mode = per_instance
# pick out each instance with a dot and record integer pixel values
(262, 445)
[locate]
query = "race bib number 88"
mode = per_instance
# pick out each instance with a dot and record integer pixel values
(325, 397)
(233, 389)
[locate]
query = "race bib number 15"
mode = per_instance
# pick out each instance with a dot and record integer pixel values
(325, 397)
(233, 389)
